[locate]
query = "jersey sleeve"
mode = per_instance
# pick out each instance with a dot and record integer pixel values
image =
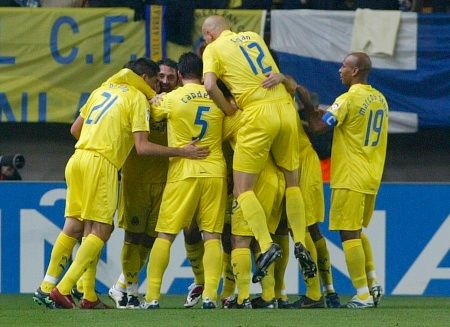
(160, 111)
(339, 109)
(140, 115)
(211, 61)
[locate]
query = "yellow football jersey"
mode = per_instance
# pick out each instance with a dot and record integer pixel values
(148, 169)
(242, 61)
(360, 139)
(191, 114)
(113, 112)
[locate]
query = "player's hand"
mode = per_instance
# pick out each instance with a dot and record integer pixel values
(195, 152)
(156, 100)
(273, 79)
(234, 104)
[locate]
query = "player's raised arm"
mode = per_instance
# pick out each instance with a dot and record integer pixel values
(216, 94)
(317, 122)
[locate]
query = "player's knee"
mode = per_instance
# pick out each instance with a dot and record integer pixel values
(240, 241)
(314, 231)
(133, 238)
(192, 235)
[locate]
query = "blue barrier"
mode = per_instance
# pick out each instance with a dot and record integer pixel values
(410, 234)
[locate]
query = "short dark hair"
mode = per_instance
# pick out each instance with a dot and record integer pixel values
(190, 65)
(143, 66)
(169, 63)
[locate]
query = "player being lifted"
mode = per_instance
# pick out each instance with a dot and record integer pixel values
(242, 62)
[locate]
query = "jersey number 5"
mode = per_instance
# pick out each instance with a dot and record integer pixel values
(259, 58)
(199, 121)
(374, 125)
(104, 107)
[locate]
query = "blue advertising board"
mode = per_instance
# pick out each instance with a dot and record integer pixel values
(410, 234)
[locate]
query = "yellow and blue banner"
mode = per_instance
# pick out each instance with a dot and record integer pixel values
(52, 58)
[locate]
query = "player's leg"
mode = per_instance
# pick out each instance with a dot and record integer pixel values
(193, 243)
(252, 148)
(179, 203)
(66, 240)
(324, 266)
(281, 237)
(313, 297)
(90, 298)
(87, 253)
(210, 220)
(285, 149)
(241, 237)
(242, 267)
(346, 215)
(99, 201)
(229, 282)
(374, 286)
(61, 252)
(270, 191)
(311, 184)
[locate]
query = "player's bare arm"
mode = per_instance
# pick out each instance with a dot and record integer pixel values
(146, 148)
(216, 94)
(75, 129)
(314, 117)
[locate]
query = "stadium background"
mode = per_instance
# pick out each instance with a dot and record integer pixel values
(39, 68)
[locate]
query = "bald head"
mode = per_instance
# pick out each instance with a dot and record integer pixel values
(361, 61)
(355, 68)
(213, 26)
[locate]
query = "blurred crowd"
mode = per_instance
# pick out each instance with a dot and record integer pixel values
(404, 5)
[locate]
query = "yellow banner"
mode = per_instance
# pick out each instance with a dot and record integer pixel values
(240, 20)
(52, 58)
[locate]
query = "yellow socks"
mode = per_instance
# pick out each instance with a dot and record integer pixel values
(80, 284)
(370, 262)
(121, 284)
(229, 283)
(268, 285)
(212, 263)
(62, 249)
(143, 255)
(280, 266)
(88, 252)
(324, 265)
(159, 259)
(312, 284)
(295, 211)
(254, 215)
(89, 281)
(355, 259)
(131, 261)
(242, 265)
(194, 253)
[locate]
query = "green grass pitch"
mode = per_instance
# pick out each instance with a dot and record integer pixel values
(20, 310)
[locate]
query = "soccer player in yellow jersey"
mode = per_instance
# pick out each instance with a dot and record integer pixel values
(242, 61)
(143, 181)
(360, 121)
(114, 118)
(311, 185)
(195, 188)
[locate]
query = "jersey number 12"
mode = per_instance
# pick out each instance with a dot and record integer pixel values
(259, 58)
